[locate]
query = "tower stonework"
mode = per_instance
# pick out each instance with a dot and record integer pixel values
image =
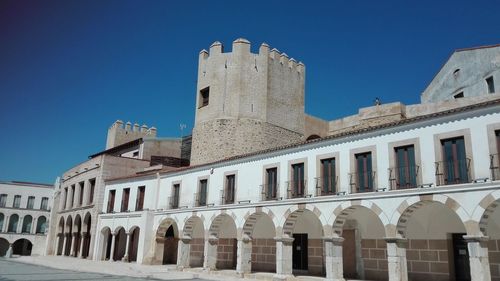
(246, 102)
(120, 134)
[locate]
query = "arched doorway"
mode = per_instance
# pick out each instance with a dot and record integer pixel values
(77, 236)
(120, 244)
(364, 250)
(4, 246)
(134, 244)
(260, 228)
(13, 221)
(41, 225)
(27, 222)
(436, 247)
(87, 222)
(69, 236)
(167, 237)
(106, 241)
(22, 247)
(60, 237)
(307, 251)
(222, 243)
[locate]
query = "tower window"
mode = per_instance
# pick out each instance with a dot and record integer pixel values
(204, 97)
(491, 85)
(459, 95)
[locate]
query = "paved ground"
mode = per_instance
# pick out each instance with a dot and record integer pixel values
(10, 269)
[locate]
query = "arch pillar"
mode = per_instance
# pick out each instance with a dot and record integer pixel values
(8, 254)
(396, 258)
(72, 252)
(65, 241)
(58, 237)
(284, 253)
(127, 245)
(478, 257)
(112, 250)
(210, 260)
(244, 255)
(82, 239)
(183, 252)
(333, 258)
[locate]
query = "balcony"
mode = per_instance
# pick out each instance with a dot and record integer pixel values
(326, 186)
(226, 197)
(200, 199)
(403, 177)
(494, 167)
(362, 182)
(269, 192)
(453, 172)
(173, 202)
(297, 189)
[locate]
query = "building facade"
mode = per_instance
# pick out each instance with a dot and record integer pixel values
(24, 217)
(395, 192)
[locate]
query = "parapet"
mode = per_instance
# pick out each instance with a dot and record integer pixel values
(120, 134)
(242, 47)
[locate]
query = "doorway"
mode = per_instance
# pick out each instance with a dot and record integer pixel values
(461, 257)
(300, 255)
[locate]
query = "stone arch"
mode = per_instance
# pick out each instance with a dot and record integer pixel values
(194, 231)
(483, 212)
(22, 247)
(218, 221)
(251, 219)
(60, 237)
(120, 243)
(164, 226)
(132, 228)
(134, 234)
(61, 225)
(87, 234)
(41, 225)
(410, 205)
(69, 225)
(292, 214)
(313, 137)
(343, 211)
(222, 237)
(105, 241)
(190, 224)
(77, 223)
(27, 224)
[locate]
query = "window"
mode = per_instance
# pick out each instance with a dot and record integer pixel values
(111, 201)
(490, 84)
(27, 222)
(135, 154)
(328, 179)
(92, 187)
(456, 72)
(297, 184)
(139, 204)
(459, 95)
(3, 200)
(45, 203)
(72, 196)
(455, 166)
(404, 174)
(41, 225)
(229, 190)
(31, 202)
(13, 221)
(17, 201)
(174, 200)
(204, 97)
(65, 197)
(81, 186)
(364, 173)
(202, 194)
(125, 196)
(270, 189)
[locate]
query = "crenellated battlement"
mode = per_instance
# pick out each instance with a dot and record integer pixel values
(120, 133)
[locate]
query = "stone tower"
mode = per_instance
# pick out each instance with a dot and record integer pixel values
(246, 102)
(120, 134)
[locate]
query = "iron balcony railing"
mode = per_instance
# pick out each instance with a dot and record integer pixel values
(495, 167)
(326, 186)
(453, 172)
(200, 199)
(173, 202)
(362, 182)
(403, 177)
(226, 197)
(269, 191)
(297, 189)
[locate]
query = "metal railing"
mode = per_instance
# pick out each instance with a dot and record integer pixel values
(173, 202)
(362, 182)
(404, 177)
(200, 199)
(326, 186)
(453, 172)
(495, 167)
(269, 191)
(226, 198)
(297, 189)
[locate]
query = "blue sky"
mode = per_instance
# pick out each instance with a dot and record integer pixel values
(69, 69)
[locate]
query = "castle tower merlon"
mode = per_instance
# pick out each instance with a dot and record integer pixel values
(144, 128)
(203, 55)
(136, 127)
(274, 54)
(301, 67)
(292, 63)
(241, 46)
(264, 50)
(216, 48)
(284, 59)
(128, 126)
(153, 131)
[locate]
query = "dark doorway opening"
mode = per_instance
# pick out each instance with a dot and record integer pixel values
(461, 257)
(300, 251)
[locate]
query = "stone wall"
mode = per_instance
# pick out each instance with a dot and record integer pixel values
(428, 260)
(494, 258)
(315, 258)
(374, 255)
(226, 253)
(264, 255)
(196, 254)
(224, 138)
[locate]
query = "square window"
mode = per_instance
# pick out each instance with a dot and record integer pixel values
(491, 85)
(204, 97)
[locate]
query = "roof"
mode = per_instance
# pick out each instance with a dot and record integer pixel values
(25, 183)
(448, 112)
(476, 48)
(119, 147)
